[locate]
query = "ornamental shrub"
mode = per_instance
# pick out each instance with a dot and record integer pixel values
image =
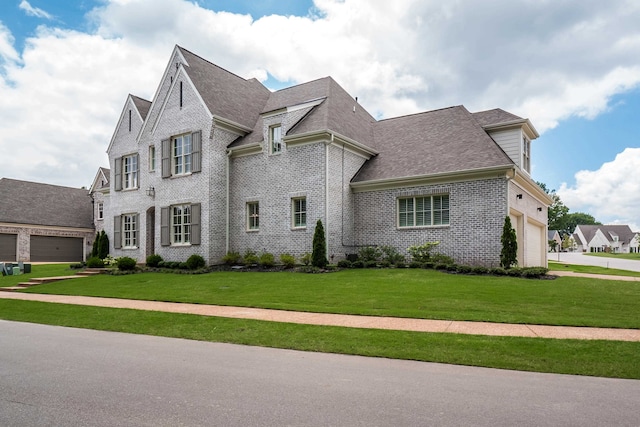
(126, 263)
(95, 262)
(250, 257)
(267, 260)
(344, 263)
(288, 260)
(306, 258)
(369, 253)
(391, 254)
(509, 240)
(319, 254)
(422, 253)
(103, 245)
(232, 258)
(154, 260)
(96, 242)
(195, 262)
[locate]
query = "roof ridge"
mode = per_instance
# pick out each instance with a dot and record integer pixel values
(422, 113)
(215, 65)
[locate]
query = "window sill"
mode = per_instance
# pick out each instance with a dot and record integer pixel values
(255, 230)
(298, 228)
(181, 175)
(180, 245)
(423, 227)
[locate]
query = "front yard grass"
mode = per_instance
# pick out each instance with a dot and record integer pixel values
(590, 269)
(634, 256)
(412, 293)
(594, 358)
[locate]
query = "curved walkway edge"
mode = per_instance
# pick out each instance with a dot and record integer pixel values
(350, 321)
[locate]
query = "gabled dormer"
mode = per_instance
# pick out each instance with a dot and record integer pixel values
(512, 133)
(130, 124)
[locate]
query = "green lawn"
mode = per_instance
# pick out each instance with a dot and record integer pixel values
(595, 358)
(411, 293)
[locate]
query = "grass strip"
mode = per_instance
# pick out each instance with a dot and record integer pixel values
(410, 293)
(591, 269)
(594, 358)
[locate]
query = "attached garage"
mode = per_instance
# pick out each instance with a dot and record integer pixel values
(536, 245)
(56, 249)
(8, 247)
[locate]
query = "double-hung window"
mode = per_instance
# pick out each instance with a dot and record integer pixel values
(130, 231)
(100, 210)
(181, 154)
(181, 224)
(299, 212)
(130, 171)
(253, 216)
(152, 158)
(275, 139)
(526, 154)
(423, 211)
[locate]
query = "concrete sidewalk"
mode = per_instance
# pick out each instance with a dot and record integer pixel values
(350, 321)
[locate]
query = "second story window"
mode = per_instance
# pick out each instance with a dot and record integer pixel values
(181, 154)
(130, 171)
(100, 210)
(152, 158)
(275, 139)
(526, 154)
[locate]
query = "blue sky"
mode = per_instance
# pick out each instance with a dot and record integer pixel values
(573, 69)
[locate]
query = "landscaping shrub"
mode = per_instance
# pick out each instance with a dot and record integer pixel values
(422, 253)
(428, 265)
(370, 264)
(385, 264)
(288, 260)
(509, 252)
(498, 271)
(369, 253)
(441, 259)
(77, 266)
(103, 245)
(452, 267)
(232, 258)
(534, 272)
(319, 254)
(154, 260)
(440, 266)
(480, 270)
(514, 272)
(267, 260)
(401, 264)
(344, 263)
(306, 258)
(464, 269)
(250, 257)
(183, 266)
(95, 262)
(391, 254)
(126, 263)
(357, 264)
(96, 243)
(195, 262)
(415, 264)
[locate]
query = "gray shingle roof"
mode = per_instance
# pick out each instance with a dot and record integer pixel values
(495, 117)
(440, 141)
(624, 233)
(26, 202)
(142, 105)
(226, 94)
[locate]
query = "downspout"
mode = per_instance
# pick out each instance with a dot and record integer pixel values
(326, 194)
(227, 214)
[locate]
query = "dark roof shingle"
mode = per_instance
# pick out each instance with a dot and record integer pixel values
(24, 202)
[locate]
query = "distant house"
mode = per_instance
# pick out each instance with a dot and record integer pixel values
(43, 222)
(606, 238)
(99, 191)
(554, 236)
(218, 163)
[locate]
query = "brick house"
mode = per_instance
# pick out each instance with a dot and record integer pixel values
(217, 163)
(606, 238)
(44, 222)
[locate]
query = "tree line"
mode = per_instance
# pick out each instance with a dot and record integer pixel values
(559, 217)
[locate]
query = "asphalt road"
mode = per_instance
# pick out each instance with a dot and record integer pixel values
(580, 259)
(58, 376)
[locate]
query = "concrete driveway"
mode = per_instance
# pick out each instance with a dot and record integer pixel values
(581, 259)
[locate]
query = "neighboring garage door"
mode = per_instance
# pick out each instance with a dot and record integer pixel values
(8, 247)
(534, 245)
(56, 249)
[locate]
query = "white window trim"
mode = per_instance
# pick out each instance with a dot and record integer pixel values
(294, 212)
(273, 143)
(250, 216)
(133, 243)
(414, 226)
(526, 154)
(100, 211)
(129, 162)
(172, 233)
(152, 158)
(184, 156)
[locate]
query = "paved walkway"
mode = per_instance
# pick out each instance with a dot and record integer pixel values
(351, 321)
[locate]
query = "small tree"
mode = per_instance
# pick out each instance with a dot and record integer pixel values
(96, 242)
(103, 245)
(509, 253)
(319, 254)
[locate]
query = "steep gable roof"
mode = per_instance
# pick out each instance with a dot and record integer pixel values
(623, 232)
(142, 105)
(442, 141)
(34, 203)
(225, 94)
(101, 180)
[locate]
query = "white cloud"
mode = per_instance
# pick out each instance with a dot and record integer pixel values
(611, 194)
(543, 60)
(34, 11)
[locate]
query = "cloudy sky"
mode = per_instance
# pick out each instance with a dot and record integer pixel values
(572, 67)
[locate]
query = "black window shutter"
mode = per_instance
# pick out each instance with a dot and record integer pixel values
(196, 151)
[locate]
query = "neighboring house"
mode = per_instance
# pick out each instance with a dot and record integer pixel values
(217, 163)
(554, 236)
(606, 238)
(100, 192)
(43, 222)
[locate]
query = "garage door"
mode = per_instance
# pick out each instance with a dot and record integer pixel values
(534, 245)
(56, 249)
(8, 245)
